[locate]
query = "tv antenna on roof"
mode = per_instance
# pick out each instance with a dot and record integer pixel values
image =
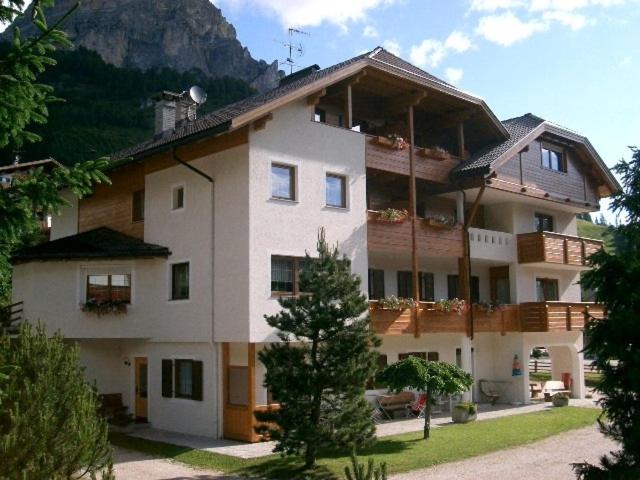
(296, 49)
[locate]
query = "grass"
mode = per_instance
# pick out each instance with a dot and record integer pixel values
(401, 452)
(590, 378)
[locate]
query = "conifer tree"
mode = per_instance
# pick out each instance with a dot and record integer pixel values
(49, 427)
(614, 342)
(318, 371)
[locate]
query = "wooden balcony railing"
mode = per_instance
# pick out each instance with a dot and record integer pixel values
(557, 316)
(380, 155)
(430, 241)
(526, 317)
(555, 248)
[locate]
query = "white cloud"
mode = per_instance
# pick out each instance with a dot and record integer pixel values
(458, 42)
(370, 32)
(428, 54)
(574, 21)
(311, 13)
(493, 5)
(563, 5)
(625, 61)
(392, 46)
(453, 75)
(506, 29)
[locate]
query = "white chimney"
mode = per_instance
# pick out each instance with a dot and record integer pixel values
(174, 108)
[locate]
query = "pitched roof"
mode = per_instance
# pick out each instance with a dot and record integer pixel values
(98, 243)
(46, 163)
(481, 161)
(220, 120)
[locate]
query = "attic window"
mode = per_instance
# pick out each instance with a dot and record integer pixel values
(320, 115)
(554, 160)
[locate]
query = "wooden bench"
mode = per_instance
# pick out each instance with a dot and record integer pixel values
(389, 404)
(111, 404)
(492, 389)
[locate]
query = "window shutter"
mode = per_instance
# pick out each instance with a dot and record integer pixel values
(167, 374)
(196, 380)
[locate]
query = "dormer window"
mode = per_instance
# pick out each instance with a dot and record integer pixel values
(553, 160)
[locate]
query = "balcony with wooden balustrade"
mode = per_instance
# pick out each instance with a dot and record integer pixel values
(557, 316)
(556, 249)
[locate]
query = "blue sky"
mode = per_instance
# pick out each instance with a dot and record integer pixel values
(574, 62)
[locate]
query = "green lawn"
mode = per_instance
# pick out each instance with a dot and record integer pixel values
(401, 452)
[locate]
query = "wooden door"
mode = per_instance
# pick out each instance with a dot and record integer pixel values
(141, 388)
(499, 280)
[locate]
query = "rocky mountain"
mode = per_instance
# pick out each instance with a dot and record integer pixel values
(180, 34)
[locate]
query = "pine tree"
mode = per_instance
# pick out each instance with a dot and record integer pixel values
(49, 427)
(318, 371)
(614, 342)
(433, 378)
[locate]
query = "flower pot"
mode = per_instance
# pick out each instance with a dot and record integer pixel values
(462, 415)
(560, 401)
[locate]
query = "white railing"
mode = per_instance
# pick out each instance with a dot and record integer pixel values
(492, 245)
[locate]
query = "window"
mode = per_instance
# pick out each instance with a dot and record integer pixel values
(547, 289)
(376, 284)
(137, 206)
(285, 275)
(177, 200)
(453, 288)
(422, 355)
(553, 159)
(180, 281)
(109, 287)
(336, 190)
(544, 223)
(182, 378)
(283, 185)
(433, 356)
(425, 283)
(320, 115)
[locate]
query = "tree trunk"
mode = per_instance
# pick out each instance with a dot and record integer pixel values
(310, 456)
(427, 416)
(311, 450)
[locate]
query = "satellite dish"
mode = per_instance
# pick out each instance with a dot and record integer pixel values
(198, 95)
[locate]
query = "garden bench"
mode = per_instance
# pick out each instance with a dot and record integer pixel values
(492, 389)
(389, 404)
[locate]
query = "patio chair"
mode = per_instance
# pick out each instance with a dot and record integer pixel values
(417, 407)
(389, 404)
(490, 390)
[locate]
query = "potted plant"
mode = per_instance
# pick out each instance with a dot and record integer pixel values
(395, 303)
(437, 153)
(440, 221)
(560, 400)
(392, 215)
(488, 307)
(397, 141)
(454, 305)
(464, 412)
(121, 422)
(104, 307)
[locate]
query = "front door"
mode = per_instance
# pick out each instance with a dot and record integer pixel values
(499, 280)
(141, 388)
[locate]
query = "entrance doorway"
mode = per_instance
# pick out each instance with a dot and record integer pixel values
(141, 389)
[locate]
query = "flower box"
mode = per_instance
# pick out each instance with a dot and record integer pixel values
(104, 307)
(444, 223)
(392, 215)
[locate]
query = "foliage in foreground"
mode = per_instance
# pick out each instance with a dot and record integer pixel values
(434, 378)
(49, 425)
(359, 472)
(615, 340)
(318, 372)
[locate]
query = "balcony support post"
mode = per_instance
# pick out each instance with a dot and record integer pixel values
(412, 216)
(461, 139)
(348, 108)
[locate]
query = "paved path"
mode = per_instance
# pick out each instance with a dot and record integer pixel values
(549, 459)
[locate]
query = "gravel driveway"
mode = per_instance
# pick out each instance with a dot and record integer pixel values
(549, 459)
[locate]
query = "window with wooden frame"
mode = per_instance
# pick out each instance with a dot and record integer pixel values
(453, 288)
(283, 182)
(547, 290)
(109, 287)
(422, 355)
(336, 190)
(180, 281)
(425, 284)
(543, 222)
(285, 275)
(137, 206)
(553, 160)
(376, 284)
(182, 378)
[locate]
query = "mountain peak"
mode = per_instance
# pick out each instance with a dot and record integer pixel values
(179, 34)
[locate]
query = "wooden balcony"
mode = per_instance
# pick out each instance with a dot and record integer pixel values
(380, 155)
(554, 248)
(396, 237)
(526, 317)
(557, 316)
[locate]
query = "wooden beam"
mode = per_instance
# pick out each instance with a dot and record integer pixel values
(261, 123)
(464, 264)
(461, 139)
(314, 98)
(348, 107)
(251, 381)
(413, 215)
(400, 103)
